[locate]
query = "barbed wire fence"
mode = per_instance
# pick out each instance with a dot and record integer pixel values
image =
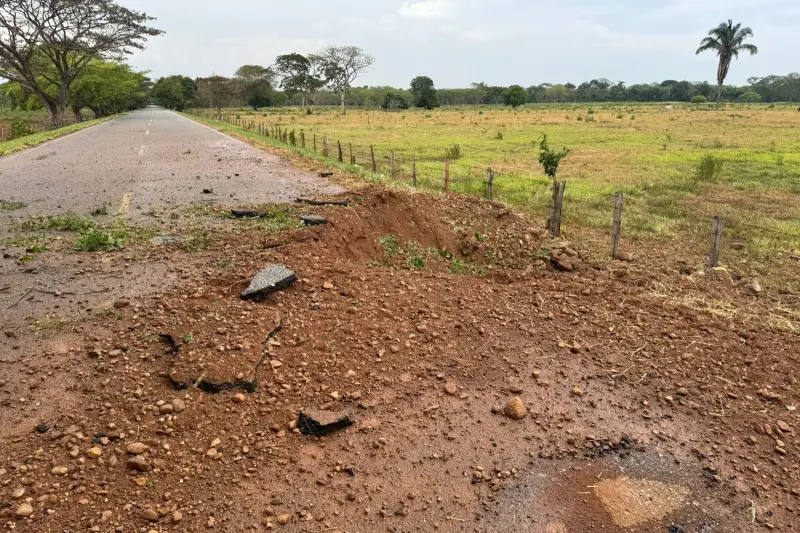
(538, 195)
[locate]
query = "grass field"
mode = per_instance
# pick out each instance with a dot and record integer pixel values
(649, 153)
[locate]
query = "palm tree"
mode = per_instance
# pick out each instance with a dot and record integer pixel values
(727, 40)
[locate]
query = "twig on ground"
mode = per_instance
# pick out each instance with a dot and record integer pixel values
(20, 299)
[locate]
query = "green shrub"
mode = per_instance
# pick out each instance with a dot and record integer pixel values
(750, 97)
(19, 128)
(453, 152)
(709, 169)
(699, 99)
(550, 159)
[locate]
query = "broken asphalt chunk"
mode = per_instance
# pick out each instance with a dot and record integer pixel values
(243, 213)
(311, 201)
(313, 220)
(321, 423)
(272, 279)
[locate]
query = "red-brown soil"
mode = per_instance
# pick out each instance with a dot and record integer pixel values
(618, 383)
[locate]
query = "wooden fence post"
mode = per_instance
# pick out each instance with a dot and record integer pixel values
(325, 146)
(558, 204)
(293, 138)
(617, 228)
(394, 166)
(341, 156)
(302, 139)
(374, 163)
(315, 143)
(414, 171)
(716, 242)
(446, 175)
(489, 184)
(352, 157)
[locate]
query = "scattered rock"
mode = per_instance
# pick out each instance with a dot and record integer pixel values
(683, 391)
(624, 256)
(577, 391)
(272, 279)
(137, 448)
(737, 246)
(122, 303)
(321, 423)
(239, 398)
(515, 409)
(176, 517)
(42, 428)
(178, 405)
(783, 426)
(18, 493)
(24, 510)
(59, 470)
(754, 287)
(150, 515)
(94, 452)
(450, 388)
(139, 463)
(284, 519)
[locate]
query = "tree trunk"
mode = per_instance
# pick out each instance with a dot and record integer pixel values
(719, 93)
(78, 116)
(344, 111)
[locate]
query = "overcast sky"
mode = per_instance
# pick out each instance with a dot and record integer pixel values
(456, 42)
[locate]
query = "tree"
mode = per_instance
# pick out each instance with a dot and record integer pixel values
(424, 92)
(393, 101)
(516, 96)
(45, 45)
(218, 91)
(175, 92)
(300, 75)
(255, 83)
(342, 65)
(727, 40)
(107, 88)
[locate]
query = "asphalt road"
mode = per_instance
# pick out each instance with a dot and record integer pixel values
(150, 158)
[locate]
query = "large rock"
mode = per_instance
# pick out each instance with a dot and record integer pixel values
(272, 279)
(515, 409)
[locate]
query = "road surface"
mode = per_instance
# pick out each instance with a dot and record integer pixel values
(149, 158)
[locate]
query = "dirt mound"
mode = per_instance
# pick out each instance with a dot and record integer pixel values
(463, 227)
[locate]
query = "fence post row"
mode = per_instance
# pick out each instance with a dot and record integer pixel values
(558, 203)
(374, 163)
(315, 143)
(352, 157)
(341, 156)
(325, 146)
(302, 139)
(617, 229)
(489, 184)
(394, 166)
(716, 242)
(414, 171)
(446, 175)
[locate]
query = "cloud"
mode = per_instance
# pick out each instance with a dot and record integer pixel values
(428, 9)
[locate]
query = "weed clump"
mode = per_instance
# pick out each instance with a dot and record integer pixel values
(709, 169)
(453, 152)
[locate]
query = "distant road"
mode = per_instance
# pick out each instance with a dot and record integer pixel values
(149, 158)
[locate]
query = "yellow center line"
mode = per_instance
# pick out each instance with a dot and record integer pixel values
(125, 204)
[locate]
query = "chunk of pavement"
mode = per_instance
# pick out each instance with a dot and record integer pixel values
(321, 423)
(313, 220)
(274, 278)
